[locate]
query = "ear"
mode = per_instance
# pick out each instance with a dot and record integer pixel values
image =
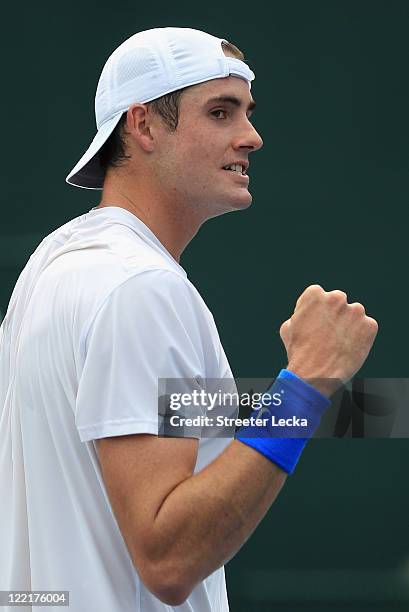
(139, 126)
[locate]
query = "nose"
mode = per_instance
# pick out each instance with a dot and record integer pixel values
(249, 138)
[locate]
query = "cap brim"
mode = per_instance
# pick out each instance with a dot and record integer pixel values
(88, 172)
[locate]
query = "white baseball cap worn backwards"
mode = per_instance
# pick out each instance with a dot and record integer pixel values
(147, 66)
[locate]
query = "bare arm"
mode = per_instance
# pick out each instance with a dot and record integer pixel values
(180, 527)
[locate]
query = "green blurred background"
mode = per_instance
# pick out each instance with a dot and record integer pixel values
(330, 194)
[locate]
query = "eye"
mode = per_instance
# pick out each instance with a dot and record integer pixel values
(219, 110)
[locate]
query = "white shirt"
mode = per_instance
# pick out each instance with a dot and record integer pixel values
(99, 313)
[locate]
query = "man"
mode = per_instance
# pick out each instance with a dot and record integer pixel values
(93, 500)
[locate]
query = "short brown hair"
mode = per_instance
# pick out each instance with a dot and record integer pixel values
(113, 152)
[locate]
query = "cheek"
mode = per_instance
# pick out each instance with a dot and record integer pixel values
(191, 159)
(201, 159)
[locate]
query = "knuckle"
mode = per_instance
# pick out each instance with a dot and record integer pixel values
(373, 325)
(357, 308)
(315, 289)
(312, 291)
(337, 297)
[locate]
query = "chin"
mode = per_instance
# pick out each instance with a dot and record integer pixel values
(230, 205)
(242, 203)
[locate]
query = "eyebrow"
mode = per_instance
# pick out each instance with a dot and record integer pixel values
(231, 100)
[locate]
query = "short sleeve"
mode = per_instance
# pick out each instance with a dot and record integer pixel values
(146, 329)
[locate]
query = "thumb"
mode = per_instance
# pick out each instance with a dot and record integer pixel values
(285, 331)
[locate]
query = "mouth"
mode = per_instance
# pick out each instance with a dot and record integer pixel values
(239, 175)
(238, 171)
(238, 168)
(240, 178)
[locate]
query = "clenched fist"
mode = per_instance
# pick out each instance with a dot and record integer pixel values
(326, 338)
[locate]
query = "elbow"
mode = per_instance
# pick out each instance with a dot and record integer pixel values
(169, 585)
(172, 594)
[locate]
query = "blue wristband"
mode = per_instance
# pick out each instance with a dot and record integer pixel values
(287, 422)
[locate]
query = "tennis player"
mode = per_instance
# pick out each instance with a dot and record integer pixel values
(93, 501)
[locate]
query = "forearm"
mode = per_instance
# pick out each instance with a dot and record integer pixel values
(205, 520)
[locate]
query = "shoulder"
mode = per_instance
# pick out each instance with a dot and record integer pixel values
(153, 295)
(153, 285)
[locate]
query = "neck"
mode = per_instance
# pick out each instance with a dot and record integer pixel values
(165, 215)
